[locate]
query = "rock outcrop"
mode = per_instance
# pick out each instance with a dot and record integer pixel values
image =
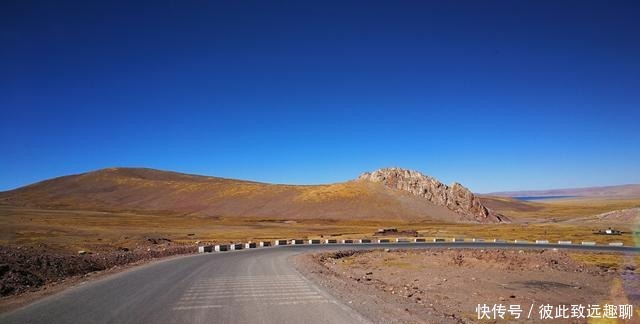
(455, 197)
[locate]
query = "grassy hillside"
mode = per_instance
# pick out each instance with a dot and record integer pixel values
(556, 210)
(158, 192)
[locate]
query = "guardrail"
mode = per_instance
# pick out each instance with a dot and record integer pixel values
(399, 240)
(221, 248)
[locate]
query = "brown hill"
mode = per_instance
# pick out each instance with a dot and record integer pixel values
(621, 191)
(135, 189)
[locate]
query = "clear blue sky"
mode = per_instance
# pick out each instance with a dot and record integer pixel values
(497, 95)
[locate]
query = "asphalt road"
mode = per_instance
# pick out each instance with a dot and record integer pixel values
(249, 286)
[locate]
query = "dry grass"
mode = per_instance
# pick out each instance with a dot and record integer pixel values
(558, 210)
(90, 230)
(75, 230)
(608, 260)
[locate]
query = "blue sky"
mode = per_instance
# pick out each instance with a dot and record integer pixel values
(497, 95)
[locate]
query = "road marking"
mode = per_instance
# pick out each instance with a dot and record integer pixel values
(250, 295)
(240, 292)
(246, 299)
(197, 307)
(247, 286)
(276, 290)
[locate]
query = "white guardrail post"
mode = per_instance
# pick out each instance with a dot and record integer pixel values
(542, 242)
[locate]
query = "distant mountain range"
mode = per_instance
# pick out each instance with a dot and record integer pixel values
(621, 191)
(386, 194)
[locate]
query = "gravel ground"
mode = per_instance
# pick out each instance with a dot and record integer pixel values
(28, 273)
(446, 286)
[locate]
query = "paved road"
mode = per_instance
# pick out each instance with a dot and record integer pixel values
(250, 286)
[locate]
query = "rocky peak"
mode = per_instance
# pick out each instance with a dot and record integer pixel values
(454, 197)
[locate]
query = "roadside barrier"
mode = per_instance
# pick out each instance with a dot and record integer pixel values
(221, 247)
(253, 245)
(237, 246)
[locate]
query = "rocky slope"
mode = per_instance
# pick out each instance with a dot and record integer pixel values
(456, 197)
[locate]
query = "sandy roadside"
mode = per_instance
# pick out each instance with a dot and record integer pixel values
(446, 286)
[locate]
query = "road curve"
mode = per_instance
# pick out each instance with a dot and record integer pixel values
(249, 286)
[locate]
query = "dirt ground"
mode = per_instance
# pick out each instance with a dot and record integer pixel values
(29, 273)
(446, 286)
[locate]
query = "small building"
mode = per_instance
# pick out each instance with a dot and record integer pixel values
(609, 231)
(387, 230)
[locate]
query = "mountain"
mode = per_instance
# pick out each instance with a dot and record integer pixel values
(622, 191)
(455, 197)
(139, 189)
